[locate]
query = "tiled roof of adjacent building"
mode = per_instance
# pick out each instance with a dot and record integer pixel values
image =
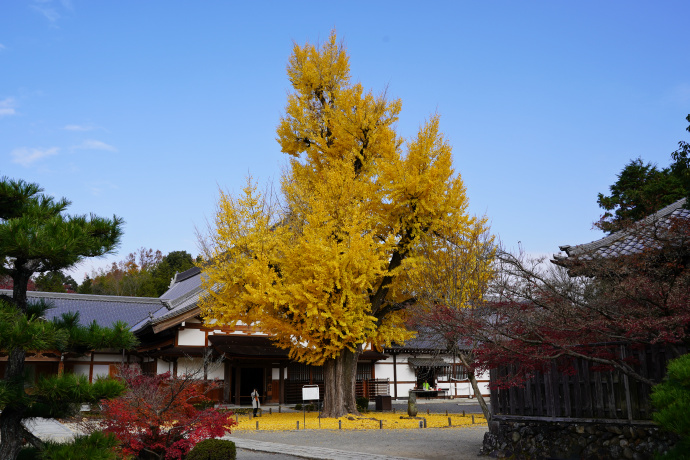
(183, 283)
(106, 310)
(182, 297)
(628, 241)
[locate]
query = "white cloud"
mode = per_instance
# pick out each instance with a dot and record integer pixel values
(7, 107)
(48, 12)
(52, 10)
(25, 156)
(95, 145)
(78, 128)
(97, 188)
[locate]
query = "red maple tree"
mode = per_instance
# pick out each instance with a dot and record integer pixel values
(157, 418)
(598, 307)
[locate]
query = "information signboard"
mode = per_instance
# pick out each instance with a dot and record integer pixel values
(310, 393)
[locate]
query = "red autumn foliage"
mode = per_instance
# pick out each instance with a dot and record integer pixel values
(590, 307)
(156, 418)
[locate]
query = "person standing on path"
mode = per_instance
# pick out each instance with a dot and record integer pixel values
(255, 401)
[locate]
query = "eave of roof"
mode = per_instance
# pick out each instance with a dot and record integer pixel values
(90, 297)
(619, 236)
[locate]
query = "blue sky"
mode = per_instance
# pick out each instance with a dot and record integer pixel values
(146, 109)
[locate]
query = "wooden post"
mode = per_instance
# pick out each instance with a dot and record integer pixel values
(282, 385)
(91, 369)
(395, 376)
(227, 381)
(238, 381)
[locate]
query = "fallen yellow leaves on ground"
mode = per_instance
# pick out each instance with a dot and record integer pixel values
(368, 421)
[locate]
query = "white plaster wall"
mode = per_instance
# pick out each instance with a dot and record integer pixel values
(383, 371)
(81, 369)
(406, 373)
(404, 389)
(188, 366)
(215, 371)
(196, 366)
(101, 370)
(191, 337)
(108, 357)
(163, 366)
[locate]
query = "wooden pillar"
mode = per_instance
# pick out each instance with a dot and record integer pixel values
(238, 381)
(281, 390)
(91, 368)
(395, 376)
(206, 359)
(227, 381)
(61, 365)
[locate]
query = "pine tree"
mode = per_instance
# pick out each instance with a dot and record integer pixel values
(35, 237)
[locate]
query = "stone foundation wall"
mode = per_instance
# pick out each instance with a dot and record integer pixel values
(552, 440)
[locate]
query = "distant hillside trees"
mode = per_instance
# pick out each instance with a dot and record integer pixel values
(144, 273)
(55, 281)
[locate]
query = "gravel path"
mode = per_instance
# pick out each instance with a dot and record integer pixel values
(439, 443)
(455, 444)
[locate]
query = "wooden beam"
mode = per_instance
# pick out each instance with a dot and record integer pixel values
(521, 418)
(175, 320)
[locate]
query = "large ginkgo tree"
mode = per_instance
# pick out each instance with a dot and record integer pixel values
(326, 267)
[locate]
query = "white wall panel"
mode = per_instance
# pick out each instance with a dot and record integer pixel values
(82, 369)
(191, 337)
(100, 370)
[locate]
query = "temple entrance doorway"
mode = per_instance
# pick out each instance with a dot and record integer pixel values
(248, 378)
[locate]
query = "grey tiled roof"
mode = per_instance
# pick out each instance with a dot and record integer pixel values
(182, 297)
(104, 309)
(183, 283)
(424, 341)
(628, 241)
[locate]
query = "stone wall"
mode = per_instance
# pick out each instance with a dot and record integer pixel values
(554, 440)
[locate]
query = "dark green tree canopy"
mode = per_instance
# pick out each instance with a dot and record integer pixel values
(36, 236)
(642, 188)
(55, 281)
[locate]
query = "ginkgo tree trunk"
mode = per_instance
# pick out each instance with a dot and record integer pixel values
(326, 269)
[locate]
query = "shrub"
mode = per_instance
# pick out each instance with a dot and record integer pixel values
(298, 407)
(96, 446)
(672, 401)
(213, 449)
(362, 404)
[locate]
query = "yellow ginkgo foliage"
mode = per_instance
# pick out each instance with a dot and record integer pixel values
(327, 268)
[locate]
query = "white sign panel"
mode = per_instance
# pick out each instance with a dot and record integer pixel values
(310, 393)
